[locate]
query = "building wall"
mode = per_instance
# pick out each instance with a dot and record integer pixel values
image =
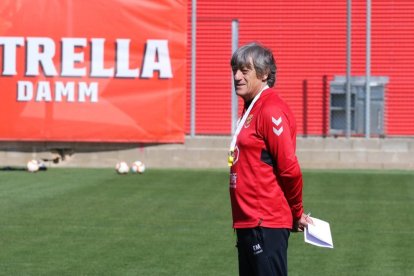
(309, 42)
(211, 152)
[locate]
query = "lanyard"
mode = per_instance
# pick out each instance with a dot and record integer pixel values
(240, 126)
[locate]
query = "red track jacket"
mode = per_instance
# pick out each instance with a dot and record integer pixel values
(265, 178)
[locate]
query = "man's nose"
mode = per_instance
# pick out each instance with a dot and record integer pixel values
(238, 75)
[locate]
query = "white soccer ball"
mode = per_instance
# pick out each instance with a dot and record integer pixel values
(138, 167)
(33, 165)
(122, 167)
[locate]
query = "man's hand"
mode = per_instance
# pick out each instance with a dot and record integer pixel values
(300, 224)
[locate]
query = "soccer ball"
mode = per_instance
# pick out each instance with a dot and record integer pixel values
(122, 167)
(138, 167)
(33, 165)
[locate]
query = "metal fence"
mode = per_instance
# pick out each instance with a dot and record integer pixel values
(353, 110)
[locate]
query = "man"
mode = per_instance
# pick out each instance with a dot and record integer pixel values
(265, 177)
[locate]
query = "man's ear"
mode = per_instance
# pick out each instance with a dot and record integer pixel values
(264, 78)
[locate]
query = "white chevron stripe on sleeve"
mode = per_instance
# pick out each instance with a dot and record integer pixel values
(277, 122)
(278, 131)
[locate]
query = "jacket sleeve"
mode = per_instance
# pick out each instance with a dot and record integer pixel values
(279, 134)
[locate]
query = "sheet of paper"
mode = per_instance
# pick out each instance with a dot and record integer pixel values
(318, 234)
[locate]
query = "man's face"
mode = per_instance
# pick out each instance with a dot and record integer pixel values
(246, 82)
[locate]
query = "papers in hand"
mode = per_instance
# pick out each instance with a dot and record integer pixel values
(318, 233)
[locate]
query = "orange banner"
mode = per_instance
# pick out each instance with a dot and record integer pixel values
(75, 70)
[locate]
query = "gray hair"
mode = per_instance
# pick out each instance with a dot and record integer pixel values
(263, 61)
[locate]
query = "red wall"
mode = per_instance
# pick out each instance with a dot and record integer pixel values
(309, 42)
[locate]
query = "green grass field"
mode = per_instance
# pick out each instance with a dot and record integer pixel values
(177, 222)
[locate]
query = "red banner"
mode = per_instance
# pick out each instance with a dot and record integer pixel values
(93, 70)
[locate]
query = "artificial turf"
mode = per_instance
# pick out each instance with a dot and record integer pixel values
(178, 222)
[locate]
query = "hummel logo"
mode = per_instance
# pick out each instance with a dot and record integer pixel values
(277, 123)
